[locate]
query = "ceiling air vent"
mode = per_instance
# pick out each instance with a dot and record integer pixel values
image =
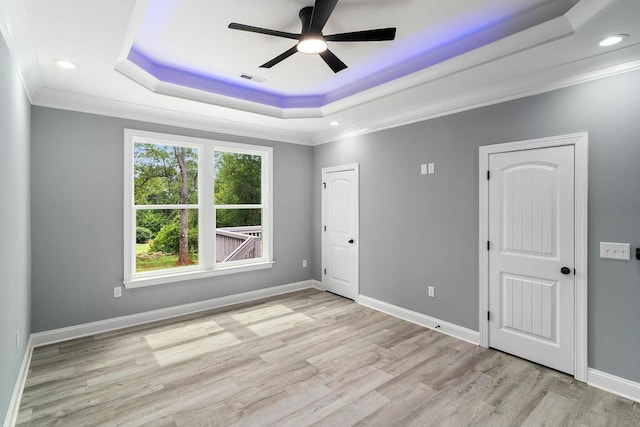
(252, 78)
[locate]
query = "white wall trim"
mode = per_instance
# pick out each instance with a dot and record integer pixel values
(613, 384)
(87, 329)
(16, 396)
(316, 284)
(63, 100)
(447, 328)
(580, 141)
(534, 84)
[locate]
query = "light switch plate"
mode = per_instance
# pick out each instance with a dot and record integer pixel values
(423, 169)
(615, 250)
(431, 168)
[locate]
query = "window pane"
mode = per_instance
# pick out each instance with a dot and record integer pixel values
(165, 174)
(159, 241)
(238, 178)
(238, 234)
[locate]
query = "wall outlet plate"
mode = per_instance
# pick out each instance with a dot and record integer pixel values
(432, 291)
(117, 292)
(613, 250)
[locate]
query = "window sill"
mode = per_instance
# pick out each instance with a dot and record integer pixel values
(191, 275)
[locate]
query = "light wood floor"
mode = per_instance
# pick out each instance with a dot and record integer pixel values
(305, 358)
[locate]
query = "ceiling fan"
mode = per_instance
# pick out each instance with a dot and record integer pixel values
(311, 41)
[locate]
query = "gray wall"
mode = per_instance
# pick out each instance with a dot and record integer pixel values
(418, 230)
(15, 268)
(415, 230)
(77, 221)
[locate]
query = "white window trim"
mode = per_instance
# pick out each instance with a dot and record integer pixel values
(206, 267)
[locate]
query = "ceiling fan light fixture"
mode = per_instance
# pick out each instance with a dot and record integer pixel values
(312, 45)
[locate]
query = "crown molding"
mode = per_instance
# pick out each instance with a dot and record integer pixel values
(63, 100)
(521, 87)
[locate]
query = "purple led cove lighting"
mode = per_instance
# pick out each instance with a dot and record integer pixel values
(434, 45)
(221, 86)
(451, 42)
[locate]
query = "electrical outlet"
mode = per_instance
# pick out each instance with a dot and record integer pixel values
(431, 168)
(17, 339)
(117, 292)
(304, 263)
(432, 292)
(423, 169)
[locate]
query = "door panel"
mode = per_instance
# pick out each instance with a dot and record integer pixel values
(340, 240)
(530, 211)
(531, 221)
(529, 306)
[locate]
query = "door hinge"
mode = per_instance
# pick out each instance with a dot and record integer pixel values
(488, 245)
(324, 185)
(488, 175)
(325, 228)
(325, 271)
(488, 315)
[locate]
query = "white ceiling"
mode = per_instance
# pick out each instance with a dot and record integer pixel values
(194, 35)
(525, 47)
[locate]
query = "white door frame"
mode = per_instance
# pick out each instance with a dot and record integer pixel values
(354, 167)
(580, 141)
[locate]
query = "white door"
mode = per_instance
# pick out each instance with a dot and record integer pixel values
(531, 255)
(340, 230)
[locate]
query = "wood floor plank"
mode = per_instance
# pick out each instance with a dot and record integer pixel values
(356, 411)
(180, 334)
(337, 399)
(262, 313)
(182, 352)
(305, 358)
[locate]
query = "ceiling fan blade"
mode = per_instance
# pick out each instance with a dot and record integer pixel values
(380, 34)
(333, 61)
(280, 58)
(322, 10)
(252, 29)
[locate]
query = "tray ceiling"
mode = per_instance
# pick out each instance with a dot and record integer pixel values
(175, 61)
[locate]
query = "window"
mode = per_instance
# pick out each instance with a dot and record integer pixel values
(194, 208)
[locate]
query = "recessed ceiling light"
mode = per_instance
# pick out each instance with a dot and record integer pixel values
(312, 45)
(335, 123)
(611, 40)
(65, 64)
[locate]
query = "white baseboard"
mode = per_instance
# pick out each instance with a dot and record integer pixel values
(16, 396)
(317, 284)
(451, 329)
(87, 329)
(613, 384)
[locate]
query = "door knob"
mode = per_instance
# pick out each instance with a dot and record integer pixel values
(350, 240)
(565, 270)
